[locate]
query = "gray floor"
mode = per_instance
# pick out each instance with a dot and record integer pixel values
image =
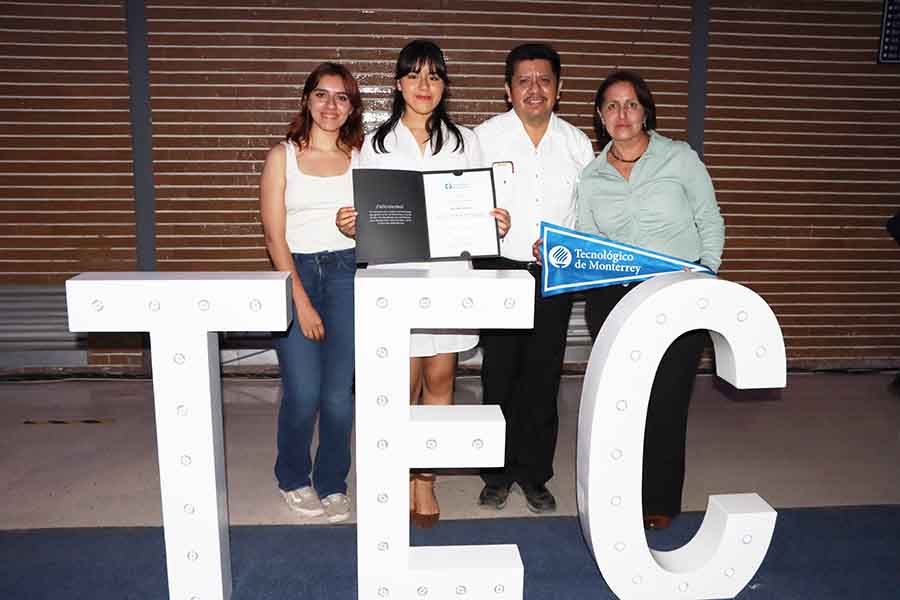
(825, 440)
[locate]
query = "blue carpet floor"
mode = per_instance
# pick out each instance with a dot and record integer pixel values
(820, 554)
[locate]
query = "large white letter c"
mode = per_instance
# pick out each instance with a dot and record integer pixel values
(733, 540)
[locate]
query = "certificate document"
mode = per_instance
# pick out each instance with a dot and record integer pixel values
(431, 215)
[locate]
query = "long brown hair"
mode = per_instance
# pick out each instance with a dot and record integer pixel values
(351, 133)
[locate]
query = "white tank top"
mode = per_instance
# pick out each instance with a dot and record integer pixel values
(311, 204)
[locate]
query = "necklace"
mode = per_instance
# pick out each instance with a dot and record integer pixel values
(612, 150)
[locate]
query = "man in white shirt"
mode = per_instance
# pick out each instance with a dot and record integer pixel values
(521, 369)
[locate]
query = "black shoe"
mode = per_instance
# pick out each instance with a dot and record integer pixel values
(493, 496)
(538, 498)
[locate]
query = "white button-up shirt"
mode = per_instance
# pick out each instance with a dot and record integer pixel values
(542, 186)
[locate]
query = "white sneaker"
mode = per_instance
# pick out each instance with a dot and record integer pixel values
(337, 507)
(304, 501)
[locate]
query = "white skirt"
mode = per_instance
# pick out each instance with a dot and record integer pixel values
(438, 341)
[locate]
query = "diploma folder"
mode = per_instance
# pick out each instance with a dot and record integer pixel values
(405, 216)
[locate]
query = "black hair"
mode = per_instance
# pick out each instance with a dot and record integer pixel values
(644, 96)
(532, 52)
(414, 56)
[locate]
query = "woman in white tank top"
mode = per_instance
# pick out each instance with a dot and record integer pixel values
(420, 136)
(306, 178)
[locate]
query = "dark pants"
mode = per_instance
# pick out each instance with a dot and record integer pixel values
(520, 372)
(667, 413)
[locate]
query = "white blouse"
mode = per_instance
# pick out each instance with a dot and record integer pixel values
(403, 153)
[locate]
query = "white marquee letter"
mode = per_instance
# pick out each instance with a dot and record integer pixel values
(737, 528)
(182, 312)
(392, 437)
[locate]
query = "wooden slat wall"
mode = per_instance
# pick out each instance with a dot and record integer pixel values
(803, 143)
(65, 141)
(225, 79)
(801, 131)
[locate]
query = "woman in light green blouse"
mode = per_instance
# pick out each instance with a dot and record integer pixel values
(648, 190)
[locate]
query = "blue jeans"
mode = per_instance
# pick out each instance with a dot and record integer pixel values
(317, 378)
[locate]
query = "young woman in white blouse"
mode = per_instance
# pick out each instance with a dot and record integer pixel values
(305, 179)
(420, 135)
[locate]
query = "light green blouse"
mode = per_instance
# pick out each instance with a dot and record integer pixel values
(668, 205)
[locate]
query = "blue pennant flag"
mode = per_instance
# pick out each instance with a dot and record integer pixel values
(575, 261)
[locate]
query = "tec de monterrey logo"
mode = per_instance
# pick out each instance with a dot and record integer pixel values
(560, 257)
